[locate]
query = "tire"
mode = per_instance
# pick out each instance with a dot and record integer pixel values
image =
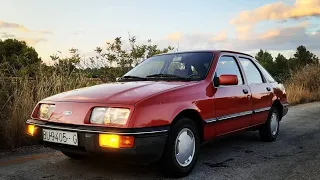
(176, 166)
(74, 155)
(270, 129)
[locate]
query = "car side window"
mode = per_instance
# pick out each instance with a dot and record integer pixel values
(228, 65)
(252, 73)
(266, 73)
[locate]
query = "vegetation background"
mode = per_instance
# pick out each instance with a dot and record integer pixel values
(25, 78)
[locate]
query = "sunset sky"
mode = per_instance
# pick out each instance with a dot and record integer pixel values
(52, 26)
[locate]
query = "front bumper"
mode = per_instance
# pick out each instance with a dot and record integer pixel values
(149, 142)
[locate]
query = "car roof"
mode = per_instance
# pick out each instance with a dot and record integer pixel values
(212, 51)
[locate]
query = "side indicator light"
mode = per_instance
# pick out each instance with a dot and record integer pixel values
(126, 141)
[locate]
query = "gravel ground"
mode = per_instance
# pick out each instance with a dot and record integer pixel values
(295, 155)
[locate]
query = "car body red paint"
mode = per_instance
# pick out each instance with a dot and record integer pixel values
(159, 103)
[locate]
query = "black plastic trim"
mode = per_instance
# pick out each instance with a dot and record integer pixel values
(261, 110)
(235, 115)
(97, 129)
(226, 117)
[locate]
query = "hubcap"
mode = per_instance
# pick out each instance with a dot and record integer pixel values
(185, 147)
(274, 124)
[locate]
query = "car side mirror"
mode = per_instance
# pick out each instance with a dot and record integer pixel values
(226, 80)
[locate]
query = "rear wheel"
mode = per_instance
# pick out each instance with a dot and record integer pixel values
(270, 130)
(181, 151)
(74, 155)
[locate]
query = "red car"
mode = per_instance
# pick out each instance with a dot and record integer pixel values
(163, 109)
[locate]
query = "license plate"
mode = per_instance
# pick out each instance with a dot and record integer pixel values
(62, 137)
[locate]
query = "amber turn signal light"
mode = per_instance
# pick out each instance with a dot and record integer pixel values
(116, 141)
(30, 129)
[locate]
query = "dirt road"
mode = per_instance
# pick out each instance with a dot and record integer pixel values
(295, 155)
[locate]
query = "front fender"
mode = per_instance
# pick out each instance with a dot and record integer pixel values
(162, 114)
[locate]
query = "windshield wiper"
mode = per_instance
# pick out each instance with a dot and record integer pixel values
(164, 76)
(172, 76)
(133, 78)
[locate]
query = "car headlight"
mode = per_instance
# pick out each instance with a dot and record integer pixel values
(102, 115)
(46, 110)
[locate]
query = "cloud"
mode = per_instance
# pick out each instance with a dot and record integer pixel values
(278, 39)
(175, 37)
(282, 39)
(14, 26)
(29, 36)
(7, 35)
(221, 36)
(196, 38)
(244, 31)
(29, 40)
(283, 21)
(32, 41)
(76, 33)
(45, 32)
(19, 27)
(270, 34)
(276, 33)
(279, 11)
(187, 41)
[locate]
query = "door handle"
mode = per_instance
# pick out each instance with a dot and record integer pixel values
(268, 89)
(245, 91)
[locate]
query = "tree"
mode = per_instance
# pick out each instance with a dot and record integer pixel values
(115, 60)
(266, 60)
(281, 64)
(17, 59)
(302, 57)
(67, 65)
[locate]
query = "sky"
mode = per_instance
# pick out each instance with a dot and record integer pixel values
(53, 27)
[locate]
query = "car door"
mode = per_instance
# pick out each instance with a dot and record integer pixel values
(261, 90)
(232, 103)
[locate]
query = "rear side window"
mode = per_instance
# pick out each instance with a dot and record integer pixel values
(228, 65)
(266, 73)
(252, 73)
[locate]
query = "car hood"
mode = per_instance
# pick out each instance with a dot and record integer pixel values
(117, 93)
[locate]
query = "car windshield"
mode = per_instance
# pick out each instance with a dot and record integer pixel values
(188, 66)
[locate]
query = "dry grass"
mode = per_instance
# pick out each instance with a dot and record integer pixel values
(18, 98)
(304, 85)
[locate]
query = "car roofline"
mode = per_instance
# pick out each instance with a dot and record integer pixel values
(181, 52)
(235, 52)
(201, 51)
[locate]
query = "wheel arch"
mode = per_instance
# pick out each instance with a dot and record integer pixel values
(194, 116)
(277, 104)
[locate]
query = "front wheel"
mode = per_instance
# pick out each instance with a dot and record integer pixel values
(181, 151)
(270, 130)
